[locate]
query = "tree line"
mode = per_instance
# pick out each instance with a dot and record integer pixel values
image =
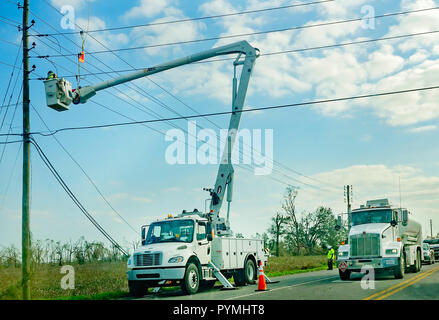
(306, 233)
(59, 253)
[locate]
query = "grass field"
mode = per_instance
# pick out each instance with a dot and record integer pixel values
(108, 280)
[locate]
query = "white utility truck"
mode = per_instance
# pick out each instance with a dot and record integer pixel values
(192, 248)
(382, 237)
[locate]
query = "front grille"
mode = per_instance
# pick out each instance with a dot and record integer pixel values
(365, 245)
(147, 259)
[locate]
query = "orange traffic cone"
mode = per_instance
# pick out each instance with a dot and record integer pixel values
(262, 286)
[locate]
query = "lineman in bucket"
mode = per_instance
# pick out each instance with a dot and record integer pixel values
(331, 257)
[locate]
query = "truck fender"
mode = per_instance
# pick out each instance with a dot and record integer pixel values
(194, 259)
(252, 257)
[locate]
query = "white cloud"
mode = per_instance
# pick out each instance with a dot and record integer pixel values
(167, 33)
(423, 129)
(146, 8)
(77, 4)
(109, 39)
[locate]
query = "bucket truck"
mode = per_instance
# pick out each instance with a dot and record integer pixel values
(192, 248)
(382, 237)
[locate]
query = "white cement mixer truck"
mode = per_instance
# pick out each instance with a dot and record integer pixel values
(382, 237)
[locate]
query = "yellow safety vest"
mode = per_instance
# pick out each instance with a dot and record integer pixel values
(331, 254)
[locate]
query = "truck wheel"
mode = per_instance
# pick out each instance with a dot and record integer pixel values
(247, 275)
(191, 281)
(250, 271)
(346, 275)
(137, 289)
(400, 268)
(418, 261)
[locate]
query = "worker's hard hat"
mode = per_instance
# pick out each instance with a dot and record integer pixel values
(50, 71)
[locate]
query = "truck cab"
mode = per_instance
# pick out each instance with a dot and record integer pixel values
(169, 247)
(381, 237)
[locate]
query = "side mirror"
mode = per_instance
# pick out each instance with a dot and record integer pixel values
(338, 225)
(393, 223)
(143, 235)
(404, 217)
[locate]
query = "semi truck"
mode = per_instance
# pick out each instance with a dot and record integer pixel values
(383, 237)
(190, 249)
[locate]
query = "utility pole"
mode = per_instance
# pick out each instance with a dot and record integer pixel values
(348, 199)
(25, 233)
(431, 228)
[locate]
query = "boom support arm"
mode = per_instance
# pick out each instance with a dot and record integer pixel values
(225, 174)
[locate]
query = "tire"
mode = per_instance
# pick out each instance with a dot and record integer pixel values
(247, 275)
(346, 275)
(250, 272)
(400, 268)
(137, 289)
(418, 265)
(191, 281)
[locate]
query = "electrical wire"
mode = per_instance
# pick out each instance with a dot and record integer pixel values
(85, 173)
(269, 53)
(69, 192)
(199, 18)
(255, 33)
(284, 106)
(160, 103)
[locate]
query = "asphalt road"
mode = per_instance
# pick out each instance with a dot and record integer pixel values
(326, 285)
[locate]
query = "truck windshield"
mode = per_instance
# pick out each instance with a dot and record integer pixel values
(371, 216)
(170, 231)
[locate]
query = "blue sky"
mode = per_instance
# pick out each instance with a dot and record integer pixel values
(370, 143)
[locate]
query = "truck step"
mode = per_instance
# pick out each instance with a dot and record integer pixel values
(216, 271)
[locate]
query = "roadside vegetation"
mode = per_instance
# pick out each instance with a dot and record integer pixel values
(107, 280)
(297, 243)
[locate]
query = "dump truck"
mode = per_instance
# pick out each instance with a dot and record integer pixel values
(382, 237)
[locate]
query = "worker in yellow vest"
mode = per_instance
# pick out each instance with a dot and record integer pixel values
(331, 257)
(51, 75)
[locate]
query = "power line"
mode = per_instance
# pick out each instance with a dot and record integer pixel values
(252, 33)
(270, 53)
(84, 172)
(197, 18)
(9, 142)
(244, 110)
(69, 192)
(161, 104)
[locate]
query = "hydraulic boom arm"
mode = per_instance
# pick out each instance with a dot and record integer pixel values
(59, 95)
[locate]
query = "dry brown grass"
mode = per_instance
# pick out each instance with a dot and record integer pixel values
(108, 280)
(90, 279)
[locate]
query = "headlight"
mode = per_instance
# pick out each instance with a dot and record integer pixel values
(391, 251)
(176, 259)
(343, 254)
